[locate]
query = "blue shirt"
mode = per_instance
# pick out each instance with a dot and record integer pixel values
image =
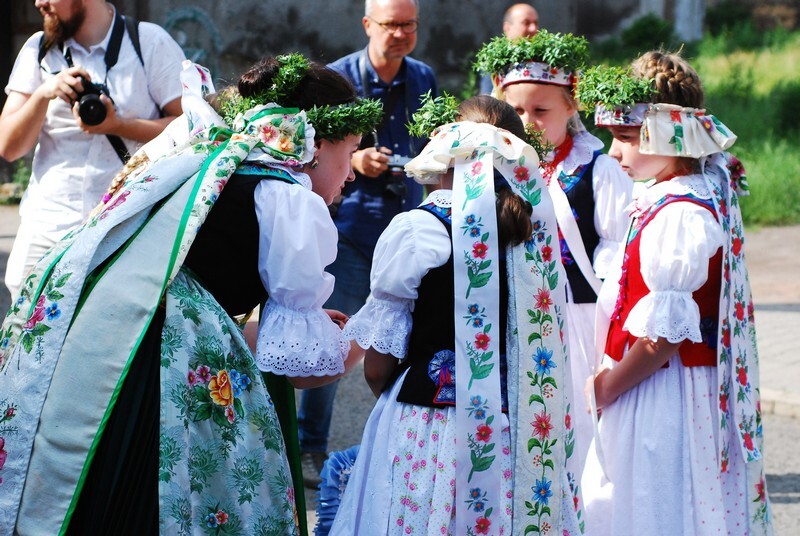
(367, 206)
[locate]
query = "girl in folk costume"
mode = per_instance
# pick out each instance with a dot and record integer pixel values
(172, 429)
(679, 449)
(464, 346)
(536, 76)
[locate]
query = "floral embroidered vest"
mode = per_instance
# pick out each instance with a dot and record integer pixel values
(633, 288)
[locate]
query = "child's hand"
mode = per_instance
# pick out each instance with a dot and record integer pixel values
(338, 317)
(602, 396)
(594, 383)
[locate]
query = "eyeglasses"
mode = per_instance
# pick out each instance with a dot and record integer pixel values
(408, 27)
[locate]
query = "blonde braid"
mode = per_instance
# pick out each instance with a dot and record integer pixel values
(674, 80)
(135, 162)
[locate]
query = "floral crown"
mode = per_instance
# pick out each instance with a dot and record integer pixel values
(618, 97)
(330, 122)
(442, 110)
(551, 58)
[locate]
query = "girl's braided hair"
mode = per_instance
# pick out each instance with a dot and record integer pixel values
(674, 80)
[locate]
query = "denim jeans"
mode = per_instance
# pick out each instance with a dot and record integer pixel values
(351, 270)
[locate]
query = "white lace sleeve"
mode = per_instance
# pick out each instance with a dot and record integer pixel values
(412, 244)
(612, 193)
(675, 250)
(297, 241)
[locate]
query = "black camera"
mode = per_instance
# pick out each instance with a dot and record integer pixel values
(90, 107)
(395, 176)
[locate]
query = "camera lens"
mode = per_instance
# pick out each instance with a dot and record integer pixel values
(92, 110)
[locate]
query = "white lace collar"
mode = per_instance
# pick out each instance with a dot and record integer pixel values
(584, 146)
(694, 184)
(440, 198)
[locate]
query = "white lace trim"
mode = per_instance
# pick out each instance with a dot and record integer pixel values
(440, 198)
(382, 324)
(671, 314)
(297, 343)
(688, 184)
(584, 146)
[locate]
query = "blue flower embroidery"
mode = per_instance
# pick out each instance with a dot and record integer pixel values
(543, 361)
(541, 491)
(53, 311)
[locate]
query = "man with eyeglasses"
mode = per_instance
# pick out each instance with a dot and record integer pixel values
(80, 147)
(520, 20)
(381, 189)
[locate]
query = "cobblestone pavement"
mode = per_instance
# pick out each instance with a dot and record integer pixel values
(773, 258)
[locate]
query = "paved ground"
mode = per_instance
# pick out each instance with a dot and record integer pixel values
(773, 256)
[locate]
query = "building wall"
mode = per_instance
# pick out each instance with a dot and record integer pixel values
(229, 36)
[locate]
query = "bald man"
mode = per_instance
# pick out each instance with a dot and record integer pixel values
(520, 20)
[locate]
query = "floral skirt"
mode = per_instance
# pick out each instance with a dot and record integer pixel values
(403, 481)
(193, 445)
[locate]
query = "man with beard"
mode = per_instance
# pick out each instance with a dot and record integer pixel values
(74, 162)
(383, 70)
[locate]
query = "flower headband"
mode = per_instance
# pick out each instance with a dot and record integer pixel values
(621, 99)
(330, 122)
(550, 58)
(438, 111)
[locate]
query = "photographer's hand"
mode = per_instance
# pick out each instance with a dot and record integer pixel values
(65, 85)
(371, 161)
(110, 124)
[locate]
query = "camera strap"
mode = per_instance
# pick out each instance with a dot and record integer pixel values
(391, 98)
(110, 58)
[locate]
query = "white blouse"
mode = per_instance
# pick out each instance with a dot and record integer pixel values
(414, 243)
(675, 249)
(297, 241)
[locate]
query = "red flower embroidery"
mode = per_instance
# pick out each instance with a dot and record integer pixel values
(476, 168)
(567, 421)
(521, 174)
(479, 250)
(541, 425)
(222, 517)
(761, 489)
(726, 337)
(725, 465)
(482, 525)
(742, 375)
(675, 116)
(736, 248)
(547, 253)
(484, 433)
(543, 300)
(723, 403)
(37, 316)
(739, 311)
(482, 341)
(748, 441)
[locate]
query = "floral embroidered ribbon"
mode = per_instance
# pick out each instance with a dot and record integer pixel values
(538, 400)
(737, 354)
(671, 130)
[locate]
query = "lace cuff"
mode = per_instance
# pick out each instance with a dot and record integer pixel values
(295, 343)
(671, 314)
(382, 324)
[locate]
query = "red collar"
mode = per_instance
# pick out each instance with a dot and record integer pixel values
(559, 155)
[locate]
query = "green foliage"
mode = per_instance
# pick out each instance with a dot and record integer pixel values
(22, 172)
(564, 51)
(610, 87)
(726, 16)
(648, 32)
(337, 122)
(537, 140)
(433, 113)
